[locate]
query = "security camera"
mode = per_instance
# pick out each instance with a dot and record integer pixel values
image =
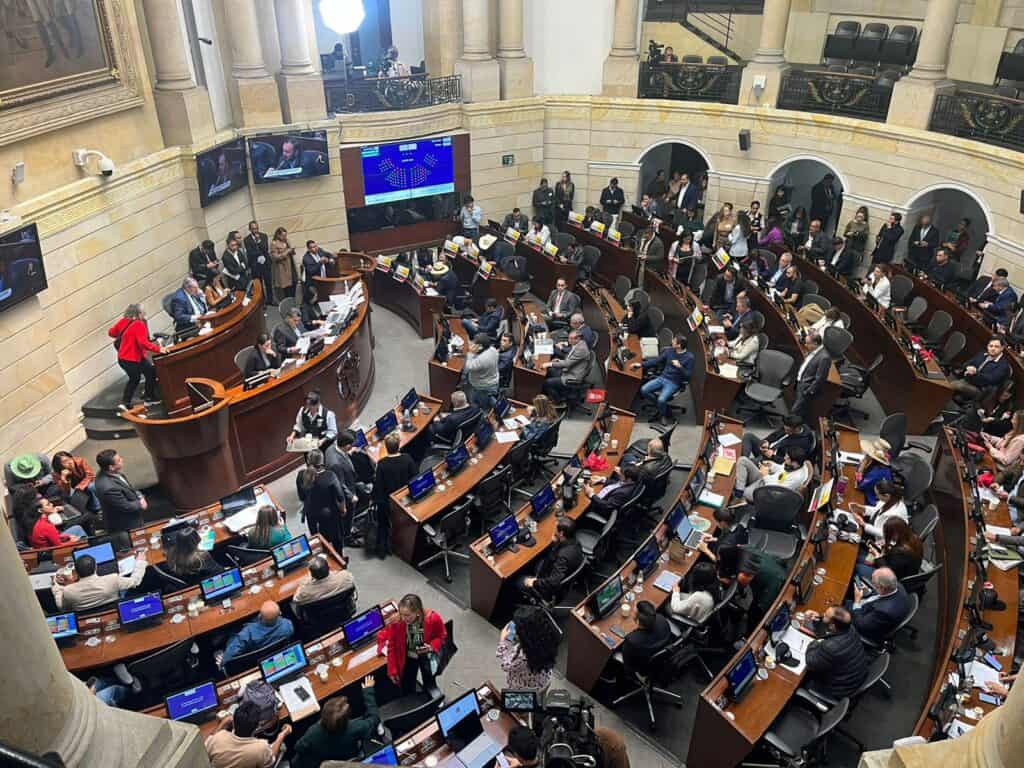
(104, 164)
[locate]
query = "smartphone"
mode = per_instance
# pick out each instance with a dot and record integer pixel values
(993, 662)
(302, 693)
(989, 698)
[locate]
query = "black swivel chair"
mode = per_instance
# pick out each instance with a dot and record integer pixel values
(322, 616)
(551, 605)
(700, 634)
(855, 381)
(243, 556)
(405, 714)
(799, 734)
(774, 373)
(775, 528)
(597, 542)
(621, 287)
(491, 497)
(646, 678)
(543, 445)
(940, 324)
(170, 669)
(518, 462)
(450, 528)
(876, 672)
(900, 288)
(915, 475)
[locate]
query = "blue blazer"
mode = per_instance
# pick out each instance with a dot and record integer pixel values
(992, 375)
(181, 309)
(876, 619)
(1003, 305)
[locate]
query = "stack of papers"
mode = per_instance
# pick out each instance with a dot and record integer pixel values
(710, 499)
(299, 708)
(507, 437)
(516, 421)
(729, 371)
(981, 673)
(723, 465)
(797, 642)
(727, 439)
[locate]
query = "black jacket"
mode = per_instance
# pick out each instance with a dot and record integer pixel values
(558, 562)
(119, 500)
(285, 337)
(885, 247)
(510, 223)
(446, 427)
(613, 500)
(921, 255)
(942, 274)
(260, 362)
(718, 300)
(815, 375)
(641, 644)
(393, 472)
(877, 618)
(842, 263)
(837, 664)
(781, 442)
(612, 200)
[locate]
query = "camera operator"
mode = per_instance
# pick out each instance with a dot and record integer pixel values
(655, 52)
(526, 749)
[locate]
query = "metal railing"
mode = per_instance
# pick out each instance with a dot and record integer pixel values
(983, 117)
(690, 82)
(391, 93)
(676, 10)
(835, 93)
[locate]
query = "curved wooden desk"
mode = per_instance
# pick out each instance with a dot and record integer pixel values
(497, 286)
(402, 298)
(212, 355)
(527, 381)
(444, 378)
(615, 259)
(239, 441)
(545, 270)
(349, 266)
(492, 577)
(600, 310)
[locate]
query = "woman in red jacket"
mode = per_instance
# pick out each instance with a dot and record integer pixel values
(413, 644)
(131, 336)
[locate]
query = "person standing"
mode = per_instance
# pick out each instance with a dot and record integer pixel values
(823, 200)
(316, 420)
(812, 374)
(323, 500)
(122, 505)
(235, 264)
(471, 216)
(565, 191)
(131, 339)
(544, 202)
(281, 253)
(481, 371)
(687, 194)
(924, 239)
(394, 471)
(886, 239)
(413, 644)
(257, 249)
(527, 649)
(612, 197)
(315, 262)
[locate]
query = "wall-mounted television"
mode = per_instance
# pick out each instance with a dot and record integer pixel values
(289, 156)
(221, 171)
(21, 266)
(407, 169)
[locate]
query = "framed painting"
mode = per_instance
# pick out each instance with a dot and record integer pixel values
(64, 61)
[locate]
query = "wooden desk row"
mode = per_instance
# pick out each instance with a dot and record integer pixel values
(615, 259)
(118, 644)
(726, 731)
(592, 643)
(604, 314)
(492, 576)
(955, 537)
(545, 270)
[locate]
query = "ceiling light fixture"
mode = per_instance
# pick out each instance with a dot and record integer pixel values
(342, 16)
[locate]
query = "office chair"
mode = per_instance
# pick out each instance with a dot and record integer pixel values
(247, 661)
(888, 643)
(774, 526)
(718, 61)
(621, 287)
(953, 347)
(540, 453)
(242, 357)
(665, 336)
(799, 734)
(700, 632)
(492, 494)
(774, 374)
(517, 461)
(915, 474)
(900, 48)
(452, 526)
(698, 276)
(551, 604)
(839, 45)
(646, 676)
(638, 296)
(939, 325)
(836, 342)
(165, 303)
(813, 298)
(656, 316)
(167, 582)
(588, 264)
(563, 240)
(900, 288)
(915, 312)
(170, 669)
(598, 543)
(626, 230)
(692, 58)
(322, 616)
(409, 712)
(925, 522)
(244, 556)
(629, 518)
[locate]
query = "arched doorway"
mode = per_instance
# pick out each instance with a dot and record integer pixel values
(671, 157)
(805, 180)
(948, 205)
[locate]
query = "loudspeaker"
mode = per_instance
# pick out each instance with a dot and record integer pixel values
(744, 140)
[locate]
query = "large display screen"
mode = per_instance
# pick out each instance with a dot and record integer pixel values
(289, 156)
(21, 266)
(221, 171)
(407, 170)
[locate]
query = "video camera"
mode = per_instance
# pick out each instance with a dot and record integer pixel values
(566, 730)
(655, 52)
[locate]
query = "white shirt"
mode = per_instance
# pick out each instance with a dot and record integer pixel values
(823, 323)
(541, 237)
(682, 194)
(874, 518)
(794, 480)
(880, 290)
(807, 361)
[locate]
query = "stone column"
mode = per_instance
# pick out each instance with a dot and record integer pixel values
(45, 708)
(914, 95)
(301, 88)
(442, 36)
(481, 77)
(183, 108)
(622, 67)
(254, 95)
(516, 67)
(766, 69)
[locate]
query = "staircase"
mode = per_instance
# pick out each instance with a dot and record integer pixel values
(712, 21)
(715, 29)
(100, 416)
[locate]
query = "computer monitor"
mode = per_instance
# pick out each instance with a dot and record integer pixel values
(804, 581)
(742, 675)
(224, 584)
(593, 441)
(520, 700)
(542, 503)
(456, 459)
(697, 482)
(238, 500)
(502, 407)
(422, 485)
(386, 424)
(140, 609)
(291, 553)
(283, 663)
(169, 533)
(363, 627)
(646, 558)
(504, 533)
(103, 554)
(62, 625)
(459, 722)
(195, 704)
(360, 440)
(607, 597)
(411, 400)
(386, 755)
(484, 434)
(780, 621)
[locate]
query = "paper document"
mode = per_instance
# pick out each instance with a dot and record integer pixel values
(299, 708)
(365, 655)
(42, 580)
(729, 371)
(981, 673)
(667, 580)
(544, 347)
(649, 346)
(797, 642)
(716, 330)
(506, 437)
(727, 439)
(998, 530)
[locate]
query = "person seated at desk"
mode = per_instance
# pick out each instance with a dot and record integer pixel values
(794, 432)
(764, 575)
(564, 373)
(830, 318)
(731, 533)
(506, 360)
(487, 323)
(793, 472)
(727, 287)
(873, 518)
(878, 286)
(791, 287)
(837, 664)
(76, 481)
(542, 415)
(516, 220)
(876, 616)
(286, 335)
(309, 311)
(619, 488)
(818, 245)
(986, 370)
(698, 602)
(315, 420)
(561, 304)
(264, 358)
(187, 561)
(36, 526)
(527, 649)
(446, 283)
(741, 313)
(539, 234)
(942, 272)
(560, 559)
(1007, 450)
(900, 549)
(842, 261)
(413, 644)
(745, 348)
(394, 471)
(674, 366)
(785, 262)
(652, 464)
(270, 627)
(188, 305)
(90, 590)
(269, 531)
(638, 320)
(576, 323)
(338, 735)
(233, 745)
(122, 505)
(653, 633)
(446, 425)
(874, 468)
(323, 583)
(1013, 540)
(999, 301)
(216, 291)
(323, 501)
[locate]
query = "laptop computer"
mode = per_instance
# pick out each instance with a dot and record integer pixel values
(386, 755)
(687, 534)
(459, 724)
(363, 628)
(103, 554)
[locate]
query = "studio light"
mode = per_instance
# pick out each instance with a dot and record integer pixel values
(342, 16)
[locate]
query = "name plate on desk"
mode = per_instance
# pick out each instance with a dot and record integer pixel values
(401, 274)
(597, 226)
(721, 258)
(513, 234)
(551, 249)
(614, 236)
(486, 268)
(384, 263)
(419, 283)
(576, 218)
(450, 246)
(471, 250)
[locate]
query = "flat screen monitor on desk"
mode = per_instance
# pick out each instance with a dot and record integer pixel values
(484, 432)
(647, 557)
(103, 554)
(456, 459)
(697, 482)
(386, 424)
(422, 485)
(779, 623)
(138, 610)
(363, 627)
(804, 581)
(222, 585)
(741, 675)
(62, 626)
(386, 755)
(502, 407)
(291, 553)
(238, 501)
(194, 705)
(504, 533)
(282, 664)
(411, 400)
(360, 441)
(593, 441)
(542, 503)
(607, 597)
(679, 511)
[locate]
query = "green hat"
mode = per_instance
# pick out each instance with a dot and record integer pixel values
(26, 467)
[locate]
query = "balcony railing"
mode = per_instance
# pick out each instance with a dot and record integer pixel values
(983, 117)
(691, 82)
(835, 93)
(391, 93)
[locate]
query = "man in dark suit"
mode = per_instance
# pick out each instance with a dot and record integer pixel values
(650, 250)
(842, 261)
(235, 263)
(560, 560)
(837, 664)
(823, 199)
(812, 375)
(463, 412)
(741, 313)
(291, 156)
(1015, 326)
(188, 305)
(516, 220)
(818, 245)
(727, 287)
(202, 263)
(653, 634)
(686, 197)
(794, 433)
(257, 250)
(986, 370)
(650, 208)
(999, 301)
(620, 487)
(122, 505)
(314, 262)
(942, 272)
(612, 198)
(876, 616)
(924, 239)
(562, 303)
(286, 335)
(652, 464)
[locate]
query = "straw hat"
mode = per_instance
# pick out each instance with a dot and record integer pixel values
(438, 269)
(879, 450)
(26, 467)
(487, 241)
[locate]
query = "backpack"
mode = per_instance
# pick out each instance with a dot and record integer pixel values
(263, 695)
